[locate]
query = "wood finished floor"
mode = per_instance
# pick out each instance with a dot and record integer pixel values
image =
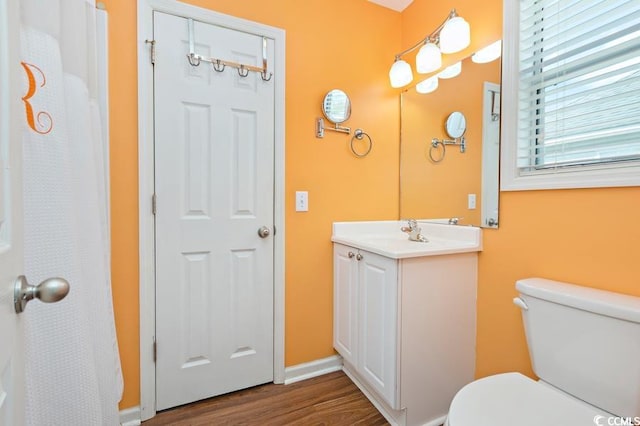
(331, 399)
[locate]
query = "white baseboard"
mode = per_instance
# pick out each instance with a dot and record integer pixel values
(130, 416)
(311, 369)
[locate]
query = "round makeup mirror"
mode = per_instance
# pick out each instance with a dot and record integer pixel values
(336, 106)
(456, 125)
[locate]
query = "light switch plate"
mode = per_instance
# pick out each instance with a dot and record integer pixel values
(302, 201)
(472, 201)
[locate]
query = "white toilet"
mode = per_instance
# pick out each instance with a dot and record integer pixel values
(585, 348)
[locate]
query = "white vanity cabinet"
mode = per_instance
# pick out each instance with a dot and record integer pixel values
(405, 322)
(365, 317)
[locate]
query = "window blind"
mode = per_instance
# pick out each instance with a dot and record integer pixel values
(579, 90)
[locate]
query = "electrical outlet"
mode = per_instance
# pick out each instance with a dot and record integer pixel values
(471, 201)
(302, 201)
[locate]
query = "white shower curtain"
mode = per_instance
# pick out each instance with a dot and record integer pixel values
(72, 362)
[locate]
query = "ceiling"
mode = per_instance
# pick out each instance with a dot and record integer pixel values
(397, 5)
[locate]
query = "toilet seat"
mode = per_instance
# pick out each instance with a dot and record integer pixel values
(511, 398)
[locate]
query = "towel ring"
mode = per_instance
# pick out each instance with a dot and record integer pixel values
(434, 145)
(360, 134)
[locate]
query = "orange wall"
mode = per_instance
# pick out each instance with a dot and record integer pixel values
(329, 44)
(123, 111)
(583, 236)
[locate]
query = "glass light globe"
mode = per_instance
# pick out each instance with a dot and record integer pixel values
(455, 35)
(451, 71)
(428, 59)
(428, 85)
(488, 54)
(400, 74)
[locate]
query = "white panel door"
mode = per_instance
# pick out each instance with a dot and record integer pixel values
(378, 324)
(11, 236)
(345, 302)
(214, 177)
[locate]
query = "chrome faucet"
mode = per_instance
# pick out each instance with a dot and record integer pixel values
(455, 220)
(414, 231)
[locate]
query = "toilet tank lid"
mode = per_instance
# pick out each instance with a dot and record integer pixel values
(602, 302)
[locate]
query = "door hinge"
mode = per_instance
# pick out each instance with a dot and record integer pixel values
(152, 52)
(155, 350)
(154, 204)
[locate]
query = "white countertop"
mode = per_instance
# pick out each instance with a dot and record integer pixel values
(385, 238)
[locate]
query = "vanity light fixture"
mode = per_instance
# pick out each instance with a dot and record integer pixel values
(488, 54)
(451, 36)
(429, 58)
(400, 73)
(455, 34)
(451, 71)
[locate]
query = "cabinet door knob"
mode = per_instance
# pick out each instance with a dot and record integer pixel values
(359, 256)
(351, 254)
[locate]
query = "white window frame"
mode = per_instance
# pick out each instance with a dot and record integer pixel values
(511, 178)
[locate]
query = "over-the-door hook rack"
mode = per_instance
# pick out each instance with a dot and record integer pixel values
(495, 106)
(194, 60)
(242, 71)
(220, 64)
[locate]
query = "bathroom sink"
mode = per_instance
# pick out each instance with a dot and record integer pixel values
(386, 238)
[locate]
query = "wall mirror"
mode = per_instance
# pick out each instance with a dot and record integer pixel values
(450, 187)
(336, 106)
(456, 124)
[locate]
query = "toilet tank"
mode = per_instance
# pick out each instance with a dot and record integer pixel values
(584, 341)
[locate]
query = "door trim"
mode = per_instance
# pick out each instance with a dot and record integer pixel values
(146, 183)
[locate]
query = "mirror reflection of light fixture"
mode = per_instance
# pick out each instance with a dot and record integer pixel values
(451, 71)
(451, 36)
(488, 54)
(428, 85)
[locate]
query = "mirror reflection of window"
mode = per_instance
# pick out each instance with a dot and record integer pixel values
(490, 154)
(336, 106)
